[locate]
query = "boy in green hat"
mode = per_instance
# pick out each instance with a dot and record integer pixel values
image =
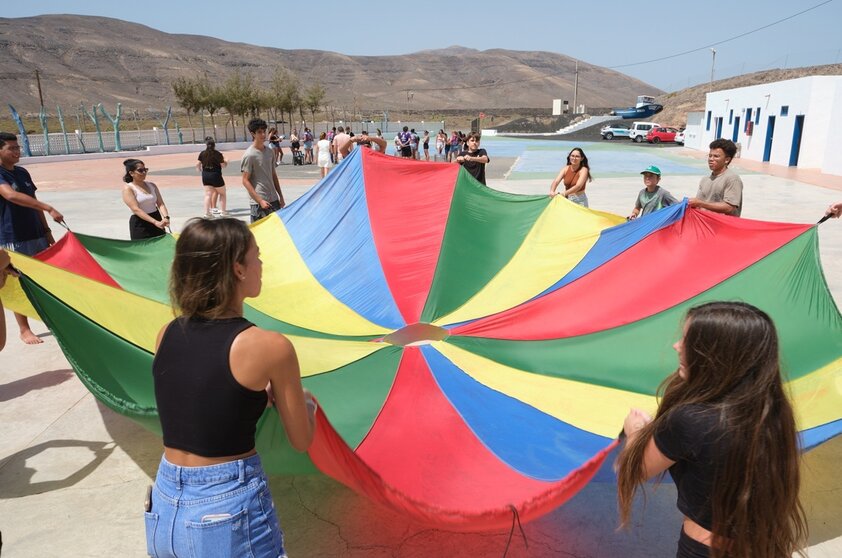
(653, 197)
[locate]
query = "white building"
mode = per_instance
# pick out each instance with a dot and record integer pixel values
(797, 122)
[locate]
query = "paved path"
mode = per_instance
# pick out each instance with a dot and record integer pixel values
(73, 473)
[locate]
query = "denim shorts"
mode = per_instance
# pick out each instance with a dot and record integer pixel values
(219, 510)
(27, 247)
(581, 199)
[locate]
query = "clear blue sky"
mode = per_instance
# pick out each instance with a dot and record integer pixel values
(607, 33)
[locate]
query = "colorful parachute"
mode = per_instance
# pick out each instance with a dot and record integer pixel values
(475, 352)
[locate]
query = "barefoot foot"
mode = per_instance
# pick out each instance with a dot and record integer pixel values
(30, 338)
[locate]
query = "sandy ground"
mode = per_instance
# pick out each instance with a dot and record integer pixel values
(73, 474)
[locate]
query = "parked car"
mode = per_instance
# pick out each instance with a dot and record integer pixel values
(679, 137)
(614, 131)
(640, 129)
(661, 134)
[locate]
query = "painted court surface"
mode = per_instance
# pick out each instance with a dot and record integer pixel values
(73, 474)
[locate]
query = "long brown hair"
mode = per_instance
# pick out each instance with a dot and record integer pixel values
(202, 280)
(732, 365)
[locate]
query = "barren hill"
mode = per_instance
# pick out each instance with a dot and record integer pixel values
(93, 59)
(692, 99)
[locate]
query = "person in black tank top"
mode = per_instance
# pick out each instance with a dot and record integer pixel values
(214, 374)
(726, 431)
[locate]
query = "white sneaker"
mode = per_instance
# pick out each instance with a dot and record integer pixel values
(215, 211)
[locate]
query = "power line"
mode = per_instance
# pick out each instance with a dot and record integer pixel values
(741, 35)
(556, 74)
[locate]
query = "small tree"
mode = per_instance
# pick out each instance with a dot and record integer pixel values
(208, 98)
(185, 91)
(277, 92)
(236, 98)
(313, 100)
(292, 99)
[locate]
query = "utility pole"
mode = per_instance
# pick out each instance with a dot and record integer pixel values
(576, 90)
(40, 95)
(712, 65)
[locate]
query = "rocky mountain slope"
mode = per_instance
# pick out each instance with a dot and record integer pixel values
(93, 59)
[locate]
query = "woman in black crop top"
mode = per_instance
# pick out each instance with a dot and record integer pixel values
(726, 432)
(214, 373)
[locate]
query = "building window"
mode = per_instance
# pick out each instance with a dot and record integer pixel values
(757, 116)
(707, 126)
(748, 115)
(731, 117)
(785, 110)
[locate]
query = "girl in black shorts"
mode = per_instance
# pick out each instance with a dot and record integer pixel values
(211, 163)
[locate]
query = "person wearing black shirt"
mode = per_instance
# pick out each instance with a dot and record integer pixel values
(214, 374)
(473, 159)
(23, 225)
(211, 162)
(725, 430)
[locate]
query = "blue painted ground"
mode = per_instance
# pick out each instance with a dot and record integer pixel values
(544, 158)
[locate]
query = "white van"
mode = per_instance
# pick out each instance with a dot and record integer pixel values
(640, 129)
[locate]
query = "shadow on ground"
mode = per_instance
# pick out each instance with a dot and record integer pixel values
(44, 380)
(142, 446)
(19, 477)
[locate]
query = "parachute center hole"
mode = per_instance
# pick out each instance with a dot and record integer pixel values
(416, 334)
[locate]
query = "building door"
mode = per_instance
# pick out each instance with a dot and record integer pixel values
(796, 140)
(770, 133)
(718, 133)
(736, 129)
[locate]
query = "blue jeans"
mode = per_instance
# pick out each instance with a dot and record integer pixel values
(219, 510)
(257, 213)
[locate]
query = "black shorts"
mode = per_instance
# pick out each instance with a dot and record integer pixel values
(212, 178)
(406, 151)
(140, 229)
(690, 548)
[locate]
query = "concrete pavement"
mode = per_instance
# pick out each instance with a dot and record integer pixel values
(73, 473)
